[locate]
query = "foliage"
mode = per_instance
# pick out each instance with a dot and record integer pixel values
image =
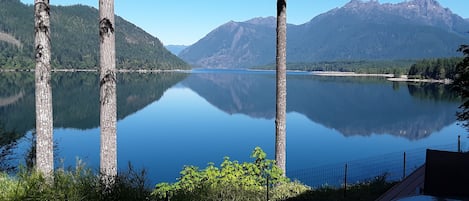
(370, 190)
(461, 85)
(438, 69)
(288, 190)
(232, 181)
(77, 184)
(75, 40)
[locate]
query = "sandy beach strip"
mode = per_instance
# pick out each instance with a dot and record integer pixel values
(390, 77)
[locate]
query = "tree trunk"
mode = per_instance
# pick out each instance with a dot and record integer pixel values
(281, 93)
(44, 119)
(108, 119)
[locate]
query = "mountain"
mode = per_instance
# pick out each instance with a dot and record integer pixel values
(75, 40)
(359, 30)
(176, 49)
(234, 44)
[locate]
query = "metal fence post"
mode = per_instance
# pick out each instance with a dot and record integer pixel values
(267, 196)
(404, 166)
(345, 180)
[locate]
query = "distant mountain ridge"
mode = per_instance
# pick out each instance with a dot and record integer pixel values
(75, 40)
(176, 49)
(360, 30)
(234, 44)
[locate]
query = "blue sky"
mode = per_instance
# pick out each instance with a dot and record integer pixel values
(184, 22)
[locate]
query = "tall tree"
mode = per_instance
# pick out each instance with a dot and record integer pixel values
(108, 114)
(461, 84)
(281, 93)
(44, 119)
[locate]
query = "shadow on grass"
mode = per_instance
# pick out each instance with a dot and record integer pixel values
(360, 192)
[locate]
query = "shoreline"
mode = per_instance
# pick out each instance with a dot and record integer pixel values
(405, 79)
(389, 77)
(96, 70)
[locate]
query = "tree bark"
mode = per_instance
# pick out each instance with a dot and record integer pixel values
(108, 113)
(281, 93)
(44, 118)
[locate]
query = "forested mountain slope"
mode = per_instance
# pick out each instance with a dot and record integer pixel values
(75, 40)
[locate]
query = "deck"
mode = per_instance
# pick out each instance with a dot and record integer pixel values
(410, 186)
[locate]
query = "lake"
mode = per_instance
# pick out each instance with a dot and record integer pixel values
(168, 120)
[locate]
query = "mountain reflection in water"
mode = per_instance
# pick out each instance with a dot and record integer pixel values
(353, 106)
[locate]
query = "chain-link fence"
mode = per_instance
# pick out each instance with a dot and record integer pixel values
(394, 166)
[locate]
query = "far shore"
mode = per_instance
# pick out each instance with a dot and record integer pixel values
(405, 79)
(348, 74)
(389, 77)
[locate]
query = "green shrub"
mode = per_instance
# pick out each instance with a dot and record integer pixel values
(288, 190)
(232, 181)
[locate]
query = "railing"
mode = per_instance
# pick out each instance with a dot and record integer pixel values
(395, 166)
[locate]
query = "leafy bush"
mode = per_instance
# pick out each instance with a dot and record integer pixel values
(288, 190)
(232, 181)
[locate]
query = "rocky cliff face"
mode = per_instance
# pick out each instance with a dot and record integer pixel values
(428, 12)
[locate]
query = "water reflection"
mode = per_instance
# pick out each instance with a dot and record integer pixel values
(353, 106)
(76, 97)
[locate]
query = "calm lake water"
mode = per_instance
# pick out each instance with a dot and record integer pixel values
(169, 120)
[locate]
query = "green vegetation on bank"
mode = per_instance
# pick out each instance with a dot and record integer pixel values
(75, 40)
(231, 181)
(441, 68)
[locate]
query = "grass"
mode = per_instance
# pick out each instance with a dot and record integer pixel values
(73, 185)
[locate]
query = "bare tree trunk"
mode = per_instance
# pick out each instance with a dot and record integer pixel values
(281, 94)
(108, 119)
(44, 118)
